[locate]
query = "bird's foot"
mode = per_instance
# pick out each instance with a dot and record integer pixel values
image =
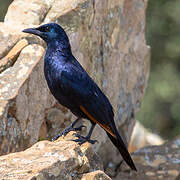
(81, 139)
(67, 130)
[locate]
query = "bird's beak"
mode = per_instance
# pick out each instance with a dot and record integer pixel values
(32, 31)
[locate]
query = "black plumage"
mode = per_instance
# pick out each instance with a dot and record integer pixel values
(73, 88)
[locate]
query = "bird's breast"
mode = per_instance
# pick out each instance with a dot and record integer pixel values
(52, 74)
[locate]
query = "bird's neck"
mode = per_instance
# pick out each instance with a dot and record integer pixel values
(57, 52)
(59, 46)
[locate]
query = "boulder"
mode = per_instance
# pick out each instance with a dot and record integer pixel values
(62, 159)
(107, 38)
(154, 162)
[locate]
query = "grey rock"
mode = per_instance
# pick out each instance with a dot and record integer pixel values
(155, 162)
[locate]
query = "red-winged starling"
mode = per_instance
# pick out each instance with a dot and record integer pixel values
(73, 88)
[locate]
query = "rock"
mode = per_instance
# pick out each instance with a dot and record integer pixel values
(19, 101)
(155, 162)
(27, 12)
(107, 37)
(7, 40)
(62, 159)
(12, 55)
(141, 137)
(65, 159)
(96, 175)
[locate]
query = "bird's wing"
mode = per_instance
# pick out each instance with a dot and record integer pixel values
(82, 90)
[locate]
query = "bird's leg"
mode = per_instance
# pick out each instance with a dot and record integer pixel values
(68, 129)
(81, 139)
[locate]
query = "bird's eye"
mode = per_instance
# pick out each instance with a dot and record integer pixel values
(47, 29)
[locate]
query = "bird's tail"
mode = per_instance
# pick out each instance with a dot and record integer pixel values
(118, 142)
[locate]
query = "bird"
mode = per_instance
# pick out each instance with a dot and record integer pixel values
(73, 88)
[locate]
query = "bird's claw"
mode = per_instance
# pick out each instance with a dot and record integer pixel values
(81, 140)
(67, 130)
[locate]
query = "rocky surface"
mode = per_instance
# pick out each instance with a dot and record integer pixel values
(96, 175)
(154, 162)
(65, 159)
(107, 37)
(62, 159)
(141, 137)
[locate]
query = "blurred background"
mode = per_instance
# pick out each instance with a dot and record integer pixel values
(160, 110)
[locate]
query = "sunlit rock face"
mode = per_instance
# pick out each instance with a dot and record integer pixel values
(45, 160)
(107, 38)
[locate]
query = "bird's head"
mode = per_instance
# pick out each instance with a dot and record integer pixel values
(49, 32)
